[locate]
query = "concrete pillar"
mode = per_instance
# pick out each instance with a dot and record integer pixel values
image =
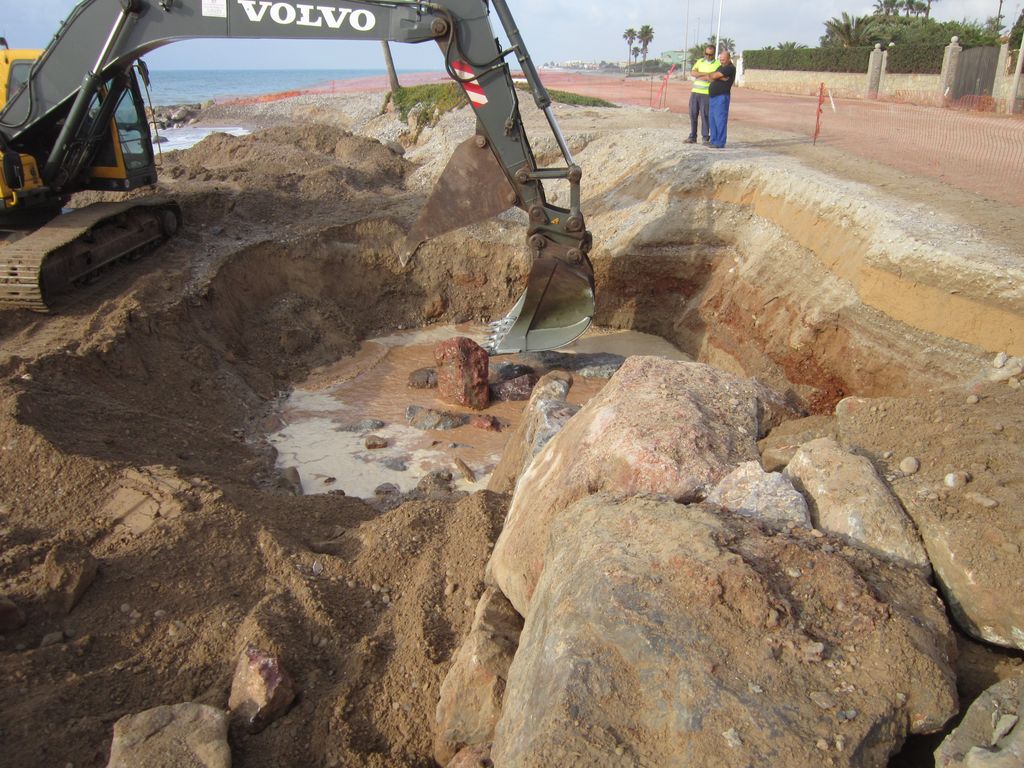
(1015, 85)
(950, 63)
(883, 89)
(875, 71)
(1001, 86)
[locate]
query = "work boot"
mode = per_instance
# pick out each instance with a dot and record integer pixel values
(692, 140)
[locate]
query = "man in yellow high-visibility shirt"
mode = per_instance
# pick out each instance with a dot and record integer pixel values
(699, 98)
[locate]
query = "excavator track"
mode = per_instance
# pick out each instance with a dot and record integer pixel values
(74, 246)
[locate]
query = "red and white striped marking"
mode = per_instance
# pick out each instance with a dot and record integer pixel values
(476, 94)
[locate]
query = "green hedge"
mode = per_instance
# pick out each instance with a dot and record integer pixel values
(810, 59)
(915, 59)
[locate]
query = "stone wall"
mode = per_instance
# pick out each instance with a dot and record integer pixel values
(841, 84)
(900, 86)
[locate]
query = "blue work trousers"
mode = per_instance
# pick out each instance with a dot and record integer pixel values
(719, 110)
(699, 106)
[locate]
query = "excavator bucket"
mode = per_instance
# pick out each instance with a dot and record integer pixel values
(556, 307)
(472, 188)
(558, 303)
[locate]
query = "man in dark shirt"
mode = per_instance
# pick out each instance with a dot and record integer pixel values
(721, 86)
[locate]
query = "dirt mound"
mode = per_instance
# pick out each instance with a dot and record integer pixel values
(293, 166)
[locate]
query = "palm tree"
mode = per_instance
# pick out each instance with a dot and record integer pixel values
(645, 36)
(851, 31)
(789, 45)
(630, 37)
(727, 44)
(636, 52)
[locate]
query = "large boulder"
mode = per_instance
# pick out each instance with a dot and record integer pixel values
(658, 426)
(472, 692)
(749, 490)
(848, 498)
(991, 735)
(664, 634)
(973, 532)
(172, 736)
(542, 419)
(782, 442)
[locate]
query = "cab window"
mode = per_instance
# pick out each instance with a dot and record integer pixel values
(18, 75)
(131, 132)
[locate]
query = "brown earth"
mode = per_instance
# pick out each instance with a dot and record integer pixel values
(130, 425)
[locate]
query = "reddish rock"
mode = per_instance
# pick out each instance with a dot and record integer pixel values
(515, 389)
(261, 691)
(481, 421)
(462, 373)
(372, 442)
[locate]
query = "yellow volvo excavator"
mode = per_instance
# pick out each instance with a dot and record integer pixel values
(74, 120)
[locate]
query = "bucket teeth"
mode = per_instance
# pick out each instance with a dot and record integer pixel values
(496, 331)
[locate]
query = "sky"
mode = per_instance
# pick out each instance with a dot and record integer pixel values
(553, 30)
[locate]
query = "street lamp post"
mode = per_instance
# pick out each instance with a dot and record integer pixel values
(718, 33)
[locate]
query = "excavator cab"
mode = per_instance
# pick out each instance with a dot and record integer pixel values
(124, 159)
(115, 140)
(19, 176)
(15, 66)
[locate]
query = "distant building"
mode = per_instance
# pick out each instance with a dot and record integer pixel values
(680, 58)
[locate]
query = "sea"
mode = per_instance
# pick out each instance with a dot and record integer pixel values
(169, 87)
(198, 86)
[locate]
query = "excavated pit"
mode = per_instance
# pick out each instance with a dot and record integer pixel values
(138, 423)
(716, 281)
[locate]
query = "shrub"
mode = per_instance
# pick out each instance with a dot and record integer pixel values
(830, 59)
(915, 59)
(565, 97)
(441, 97)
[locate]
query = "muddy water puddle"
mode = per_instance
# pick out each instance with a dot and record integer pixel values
(323, 425)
